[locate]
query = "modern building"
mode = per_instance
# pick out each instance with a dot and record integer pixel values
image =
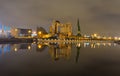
(19, 32)
(41, 32)
(59, 51)
(66, 29)
(61, 30)
(54, 28)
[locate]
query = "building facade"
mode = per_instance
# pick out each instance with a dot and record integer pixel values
(61, 30)
(18, 32)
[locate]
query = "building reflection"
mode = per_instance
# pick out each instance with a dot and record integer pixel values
(23, 46)
(78, 46)
(40, 47)
(97, 44)
(60, 50)
(4, 48)
(56, 50)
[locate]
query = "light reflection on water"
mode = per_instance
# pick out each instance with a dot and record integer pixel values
(76, 58)
(56, 50)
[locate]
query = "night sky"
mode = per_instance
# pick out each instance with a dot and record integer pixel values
(96, 16)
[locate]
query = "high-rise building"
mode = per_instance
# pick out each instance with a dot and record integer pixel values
(66, 29)
(54, 28)
(61, 30)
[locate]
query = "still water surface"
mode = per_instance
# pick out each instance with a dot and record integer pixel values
(64, 59)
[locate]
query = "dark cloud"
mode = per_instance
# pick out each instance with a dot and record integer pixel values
(94, 15)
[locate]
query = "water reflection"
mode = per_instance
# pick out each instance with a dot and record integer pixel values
(40, 47)
(57, 51)
(63, 50)
(22, 46)
(78, 51)
(60, 50)
(84, 58)
(4, 48)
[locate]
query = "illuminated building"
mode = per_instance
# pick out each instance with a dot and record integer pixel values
(54, 27)
(18, 32)
(61, 30)
(5, 31)
(40, 47)
(66, 29)
(60, 51)
(41, 32)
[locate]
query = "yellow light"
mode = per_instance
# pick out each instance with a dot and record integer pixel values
(15, 49)
(98, 37)
(29, 31)
(39, 32)
(104, 37)
(92, 45)
(110, 38)
(39, 46)
(16, 29)
(29, 47)
(115, 38)
(98, 44)
(109, 44)
(78, 45)
(95, 35)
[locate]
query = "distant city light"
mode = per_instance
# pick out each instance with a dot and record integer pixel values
(29, 47)
(95, 35)
(116, 38)
(39, 32)
(34, 32)
(16, 29)
(104, 37)
(119, 38)
(29, 31)
(39, 46)
(15, 49)
(109, 37)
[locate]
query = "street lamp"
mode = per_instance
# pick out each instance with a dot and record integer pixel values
(39, 32)
(29, 31)
(95, 35)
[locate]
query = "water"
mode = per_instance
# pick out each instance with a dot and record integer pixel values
(60, 59)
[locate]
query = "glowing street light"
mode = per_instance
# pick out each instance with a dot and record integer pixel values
(39, 32)
(16, 29)
(15, 49)
(29, 47)
(95, 35)
(29, 31)
(116, 38)
(39, 46)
